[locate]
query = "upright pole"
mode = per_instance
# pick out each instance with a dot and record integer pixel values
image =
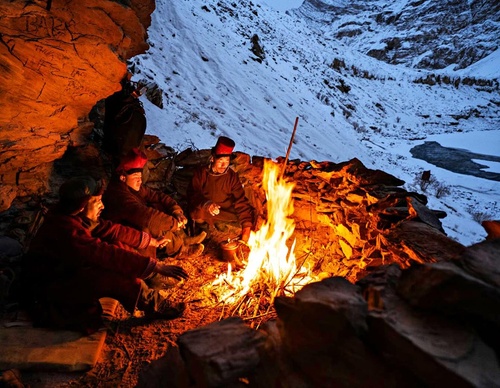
(289, 146)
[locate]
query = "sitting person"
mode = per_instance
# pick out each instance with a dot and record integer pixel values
(215, 193)
(127, 201)
(75, 259)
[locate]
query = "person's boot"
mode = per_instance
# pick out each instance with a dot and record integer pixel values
(166, 310)
(195, 239)
(155, 306)
(195, 250)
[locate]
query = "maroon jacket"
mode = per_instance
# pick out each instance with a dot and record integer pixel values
(71, 264)
(224, 189)
(147, 209)
(120, 235)
(71, 244)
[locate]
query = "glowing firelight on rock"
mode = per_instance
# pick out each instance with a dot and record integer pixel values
(271, 264)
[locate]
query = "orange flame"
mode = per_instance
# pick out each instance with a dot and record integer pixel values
(270, 260)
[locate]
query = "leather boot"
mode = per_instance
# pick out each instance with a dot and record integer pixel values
(195, 239)
(155, 306)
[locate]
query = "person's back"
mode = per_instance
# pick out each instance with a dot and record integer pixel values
(124, 121)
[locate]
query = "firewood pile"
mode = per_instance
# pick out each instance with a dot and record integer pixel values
(396, 302)
(349, 219)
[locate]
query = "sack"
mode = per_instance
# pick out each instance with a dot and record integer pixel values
(126, 128)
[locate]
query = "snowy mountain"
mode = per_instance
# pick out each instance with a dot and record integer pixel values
(419, 34)
(246, 70)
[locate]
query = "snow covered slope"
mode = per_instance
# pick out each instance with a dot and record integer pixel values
(205, 57)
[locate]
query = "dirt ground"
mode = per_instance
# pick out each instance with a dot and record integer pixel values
(132, 343)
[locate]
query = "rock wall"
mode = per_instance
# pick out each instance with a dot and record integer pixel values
(57, 59)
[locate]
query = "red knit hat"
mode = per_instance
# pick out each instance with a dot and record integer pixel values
(224, 147)
(134, 161)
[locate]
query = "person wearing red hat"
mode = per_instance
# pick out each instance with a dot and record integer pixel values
(76, 258)
(131, 203)
(215, 193)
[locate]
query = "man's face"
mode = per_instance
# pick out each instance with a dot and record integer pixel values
(220, 165)
(94, 208)
(134, 181)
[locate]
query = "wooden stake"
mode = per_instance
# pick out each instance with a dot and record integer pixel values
(289, 146)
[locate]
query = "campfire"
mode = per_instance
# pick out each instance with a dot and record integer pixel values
(271, 268)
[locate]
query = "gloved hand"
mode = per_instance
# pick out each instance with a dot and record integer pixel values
(171, 271)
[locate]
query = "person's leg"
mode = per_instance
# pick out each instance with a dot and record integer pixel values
(73, 302)
(176, 242)
(98, 283)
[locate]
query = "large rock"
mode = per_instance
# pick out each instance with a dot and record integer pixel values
(438, 350)
(482, 260)
(56, 64)
(320, 331)
(446, 288)
(221, 353)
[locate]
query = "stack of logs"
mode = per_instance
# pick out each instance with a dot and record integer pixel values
(400, 303)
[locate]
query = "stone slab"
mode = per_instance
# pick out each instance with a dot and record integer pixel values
(25, 347)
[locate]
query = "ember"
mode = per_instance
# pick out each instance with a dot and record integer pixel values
(271, 268)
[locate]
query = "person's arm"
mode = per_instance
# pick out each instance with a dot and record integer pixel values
(71, 244)
(132, 209)
(165, 204)
(112, 232)
(160, 200)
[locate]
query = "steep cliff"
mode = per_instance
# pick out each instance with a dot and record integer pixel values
(420, 34)
(57, 59)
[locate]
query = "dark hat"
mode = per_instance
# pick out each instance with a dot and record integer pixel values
(74, 194)
(224, 147)
(134, 161)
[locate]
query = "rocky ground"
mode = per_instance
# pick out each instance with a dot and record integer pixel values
(133, 343)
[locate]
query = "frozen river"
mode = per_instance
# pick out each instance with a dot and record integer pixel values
(476, 154)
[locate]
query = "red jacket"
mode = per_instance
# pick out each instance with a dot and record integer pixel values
(71, 264)
(147, 209)
(224, 189)
(70, 244)
(120, 235)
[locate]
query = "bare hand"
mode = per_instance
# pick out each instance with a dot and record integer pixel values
(171, 271)
(213, 209)
(181, 219)
(161, 243)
